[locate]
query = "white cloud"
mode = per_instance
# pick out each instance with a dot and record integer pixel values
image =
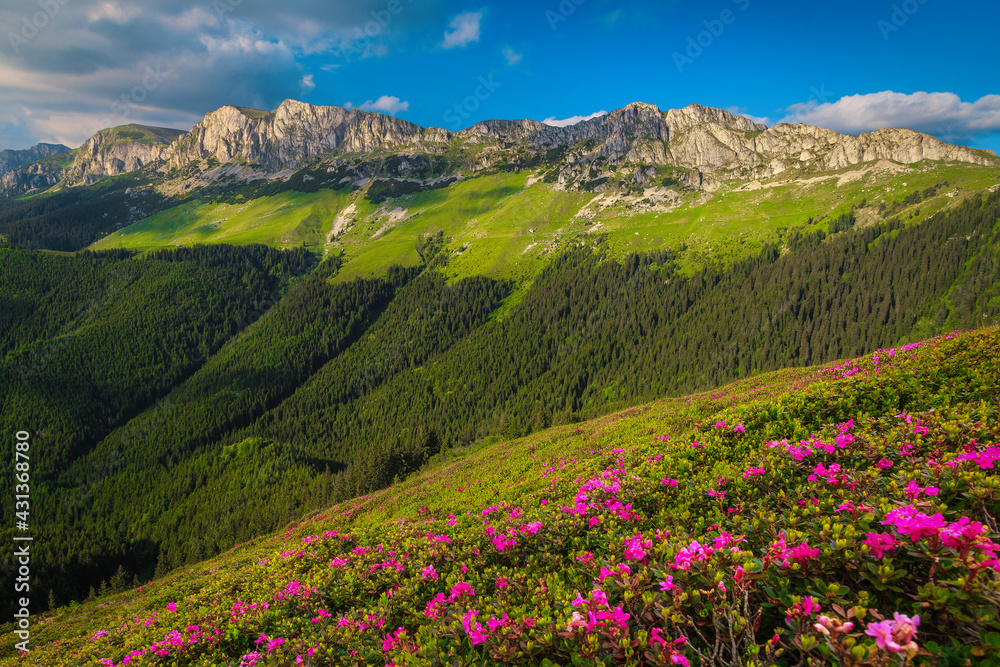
(464, 29)
(740, 111)
(573, 120)
(90, 64)
(307, 83)
(941, 114)
(110, 11)
(385, 104)
(512, 56)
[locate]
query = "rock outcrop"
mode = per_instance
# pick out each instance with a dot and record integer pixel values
(11, 159)
(30, 178)
(703, 145)
(119, 150)
(293, 134)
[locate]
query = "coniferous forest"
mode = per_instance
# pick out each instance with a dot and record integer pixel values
(192, 399)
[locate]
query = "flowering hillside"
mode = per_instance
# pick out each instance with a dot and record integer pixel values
(842, 516)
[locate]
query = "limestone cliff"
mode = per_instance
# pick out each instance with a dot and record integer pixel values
(703, 145)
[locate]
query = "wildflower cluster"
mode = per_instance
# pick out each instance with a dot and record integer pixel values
(830, 525)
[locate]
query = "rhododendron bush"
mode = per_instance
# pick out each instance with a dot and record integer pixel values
(846, 519)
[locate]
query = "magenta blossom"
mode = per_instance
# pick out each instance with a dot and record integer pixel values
(880, 543)
(895, 635)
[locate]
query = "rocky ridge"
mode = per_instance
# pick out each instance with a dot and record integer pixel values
(12, 159)
(120, 150)
(700, 146)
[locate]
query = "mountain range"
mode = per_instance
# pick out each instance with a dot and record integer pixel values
(707, 146)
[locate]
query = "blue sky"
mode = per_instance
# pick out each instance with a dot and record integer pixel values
(850, 65)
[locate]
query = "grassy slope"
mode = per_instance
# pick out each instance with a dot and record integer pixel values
(286, 220)
(497, 225)
(948, 388)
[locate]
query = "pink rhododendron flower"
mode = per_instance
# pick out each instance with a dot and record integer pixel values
(914, 490)
(880, 543)
(531, 528)
(616, 616)
(493, 623)
(462, 589)
(435, 606)
(895, 635)
(693, 552)
(800, 554)
(635, 547)
(915, 525)
(805, 607)
(473, 629)
(668, 584)
(962, 534)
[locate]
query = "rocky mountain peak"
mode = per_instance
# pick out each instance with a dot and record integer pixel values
(707, 143)
(120, 150)
(12, 159)
(292, 134)
(681, 120)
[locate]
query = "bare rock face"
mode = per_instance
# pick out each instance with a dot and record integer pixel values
(12, 159)
(705, 145)
(293, 134)
(27, 179)
(115, 151)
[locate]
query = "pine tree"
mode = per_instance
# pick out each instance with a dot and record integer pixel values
(162, 567)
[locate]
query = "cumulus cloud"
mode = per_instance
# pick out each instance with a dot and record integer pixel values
(512, 56)
(740, 111)
(385, 104)
(944, 115)
(463, 30)
(573, 120)
(88, 66)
